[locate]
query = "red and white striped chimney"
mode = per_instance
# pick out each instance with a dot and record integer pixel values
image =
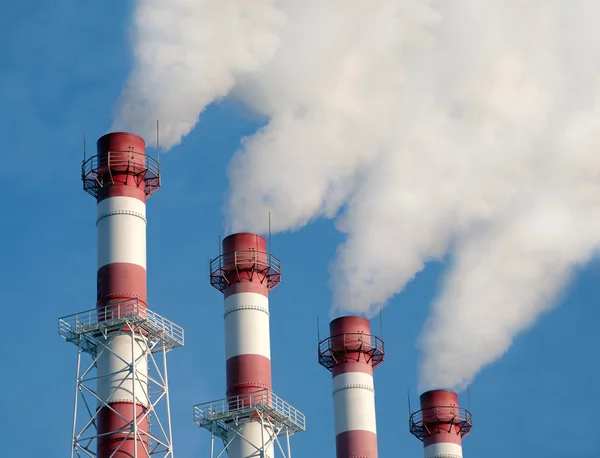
(351, 353)
(441, 424)
(248, 279)
(121, 224)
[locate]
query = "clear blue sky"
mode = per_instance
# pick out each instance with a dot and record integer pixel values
(62, 66)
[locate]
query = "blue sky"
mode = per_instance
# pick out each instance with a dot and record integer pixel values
(62, 68)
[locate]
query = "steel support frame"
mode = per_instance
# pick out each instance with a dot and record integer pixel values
(266, 266)
(149, 173)
(84, 438)
(439, 418)
(267, 425)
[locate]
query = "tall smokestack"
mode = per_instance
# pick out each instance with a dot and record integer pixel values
(441, 424)
(121, 334)
(121, 275)
(253, 415)
(351, 353)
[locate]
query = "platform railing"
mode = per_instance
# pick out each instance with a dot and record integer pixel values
(266, 266)
(334, 349)
(118, 314)
(96, 169)
(452, 419)
(263, 400)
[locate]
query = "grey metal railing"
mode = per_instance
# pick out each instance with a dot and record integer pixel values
(143, 168)
(335, 348)
(447, 418)
(115, 315)
(222, 410)
(245, 262)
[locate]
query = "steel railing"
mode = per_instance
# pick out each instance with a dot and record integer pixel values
(335, 348)
(116, 315)
(222, 410)
(249, 262)
(97, 169)
(447, 418)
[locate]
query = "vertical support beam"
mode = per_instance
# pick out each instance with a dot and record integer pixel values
(168, 401)
(75, 403)
(134, 404)
(127, 432)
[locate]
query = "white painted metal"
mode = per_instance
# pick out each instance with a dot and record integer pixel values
(247, 333)
(443, 450)
(116, 381)
(354, 402)
(121, 231)
(251, 440)
(95, 338)
(247, 325)
(160, 331)
(259, 416)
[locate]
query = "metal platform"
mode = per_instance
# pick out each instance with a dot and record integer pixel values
(215, 416)
(341, 348)
(143, 170)
(430, 421)
(89, 326)
(265, 266)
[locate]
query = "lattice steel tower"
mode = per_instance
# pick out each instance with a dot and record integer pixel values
(122, 389)
(251, 419)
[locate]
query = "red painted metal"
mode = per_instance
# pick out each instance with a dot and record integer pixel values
(349, 325)
(121, 168)
(121, 145)
(119, 281)
(121, 162)
(243, 241)
(247, 374)
(352, 348)
(244, 267)
(441, 419)
(120, 443)
(357, 443)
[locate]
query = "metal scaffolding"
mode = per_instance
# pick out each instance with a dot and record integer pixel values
(225, 419)
(91, 332)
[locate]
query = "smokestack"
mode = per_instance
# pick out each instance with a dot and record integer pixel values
(351, 353)
(254, 417)
(121, 334)
(121, 275)
(441, 424)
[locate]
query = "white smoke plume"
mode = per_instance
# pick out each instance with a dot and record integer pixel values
(463, 131)
(188, 53)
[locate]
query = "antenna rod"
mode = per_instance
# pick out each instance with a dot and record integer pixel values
(381, 323)
(408, 398)
(469, 396)
(84, 146)
(157, 142)
(270, 248)
(318, 330)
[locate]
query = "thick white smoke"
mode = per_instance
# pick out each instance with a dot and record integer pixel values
(188, 53)
(461, 130)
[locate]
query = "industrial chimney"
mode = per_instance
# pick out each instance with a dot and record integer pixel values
(441, 424)
(351, 353)
(116, 398)
(251, 417)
